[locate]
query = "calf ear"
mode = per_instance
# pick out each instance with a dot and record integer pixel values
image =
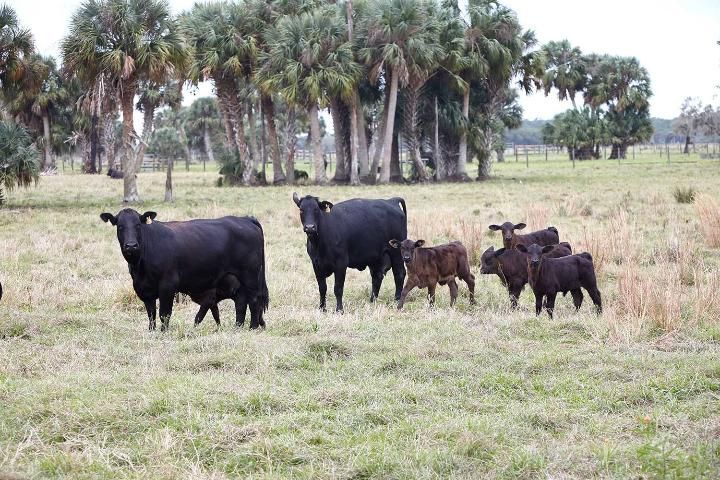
(548, 248)
(108, 217)
(420, 243)
(520, 226)
(296, 199)
(325, 205)
(499, 252)
(521, 248)
(147, 217)
(394, 243)
(494, 227)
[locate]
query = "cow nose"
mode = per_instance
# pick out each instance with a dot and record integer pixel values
(132, 246)
(310, 228)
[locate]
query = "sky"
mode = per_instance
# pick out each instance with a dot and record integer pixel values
(675, 40)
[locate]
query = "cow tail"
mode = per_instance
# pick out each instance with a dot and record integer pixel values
(403, 206)
(264, 293)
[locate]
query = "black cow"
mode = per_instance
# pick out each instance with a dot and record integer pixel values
(194, 258)
(353, 234)
(548, 276)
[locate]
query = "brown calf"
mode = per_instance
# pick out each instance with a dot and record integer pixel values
(511, 267)
(549, 236)
(548, 276)
(427, 267)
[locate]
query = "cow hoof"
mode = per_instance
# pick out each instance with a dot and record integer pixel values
(239, 324)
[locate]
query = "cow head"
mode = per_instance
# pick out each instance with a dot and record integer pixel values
(311, 212)
(129, 235)
(508, 231)
(407, 248)
(489, 262)
(534, 254)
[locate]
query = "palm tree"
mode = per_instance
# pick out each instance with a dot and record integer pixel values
(16, 44)
(399, 45)
(152, 96)
(204, 118)
(19, 164)
(224, 49)
(308, 58)
(51, 93)
(129, 41)
(565, 70)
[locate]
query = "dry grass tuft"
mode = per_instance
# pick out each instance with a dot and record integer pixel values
(537, 217)
(708, 210)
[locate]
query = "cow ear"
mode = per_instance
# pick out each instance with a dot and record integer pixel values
(325, 205)
(394, 243)
(296, 199)
(521, 248)
(420, 243)
(108, 217)
(499, 252)
(494, 227)
(548, 248)
(147, 217)
(520, 226)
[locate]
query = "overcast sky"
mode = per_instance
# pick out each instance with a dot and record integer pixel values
(676, 40)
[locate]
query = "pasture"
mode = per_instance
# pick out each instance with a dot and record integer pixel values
(465, 392)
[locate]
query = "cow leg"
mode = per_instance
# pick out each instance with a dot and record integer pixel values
(453, 291)
(339, 288)
(577, 296)
(408, 286)
(470, 281)
(241, 308)
(216, 314)
(514, 291)
(398, 268)
(595, 297)
(322, 287)
(550, 303)
(166, 305)
(376, 278)
(152, 313)
(431, 293)
(200, 315)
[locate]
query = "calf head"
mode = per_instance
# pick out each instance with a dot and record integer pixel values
(407, 248)
(489, 262)
(311, 211)
(508, 231)
(129, 235)
(534, 254)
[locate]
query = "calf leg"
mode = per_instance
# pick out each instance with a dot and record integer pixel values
(453, 291)
(538, 303)
(151, 312)
(408, 286)
(577, 298)
(200, 315)
(595, 297)
(431, 293)
(339, 288)
(550, 303)
(469, 279)
(216, 314)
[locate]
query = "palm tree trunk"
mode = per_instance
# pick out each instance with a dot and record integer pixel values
(49, 162)
(254, 150)
(92, 167)
(396, 175)
(109, 139)
(378, 140)
(363, 157)
(268, 108)
(130, 189)
(208, 142)
(389, 128)
(484, 155)
(319, 162)
(354, 137)
(440, 167)
(168, 181)
(336, 111)
(412, 136)
(461, 171)
(148, 122)
(290, 144)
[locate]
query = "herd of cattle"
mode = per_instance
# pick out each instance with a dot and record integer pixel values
(224, 258)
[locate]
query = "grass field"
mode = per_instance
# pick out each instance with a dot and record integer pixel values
(467, 392)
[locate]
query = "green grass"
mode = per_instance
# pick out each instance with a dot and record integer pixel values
(464, 392)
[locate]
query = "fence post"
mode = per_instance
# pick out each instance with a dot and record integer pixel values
(667, 148)
(633, 151)
(572, 155)
(546, 153)
(516, 153)
(527, 158)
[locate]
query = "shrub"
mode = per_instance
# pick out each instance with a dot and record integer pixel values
(684, 195)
